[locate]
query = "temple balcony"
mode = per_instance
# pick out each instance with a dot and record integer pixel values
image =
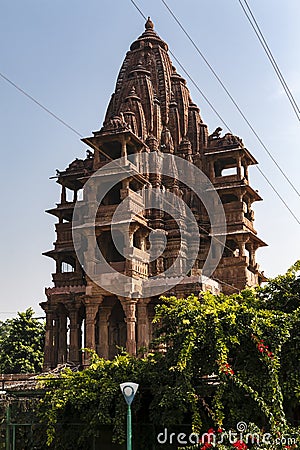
(236, 216)
(64, 235)
(136, 265)
(134, 209)
(63, 210)
(67, 279)
(136, 272)
(137, 269)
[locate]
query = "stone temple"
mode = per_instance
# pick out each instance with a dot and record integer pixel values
(151, 110)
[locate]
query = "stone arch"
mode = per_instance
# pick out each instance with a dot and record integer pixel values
(111, 327)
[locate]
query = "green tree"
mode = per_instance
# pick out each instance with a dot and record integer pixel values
(22, 344)
(229, 359)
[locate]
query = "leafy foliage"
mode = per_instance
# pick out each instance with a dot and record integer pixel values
(229, 359)
(21, 344)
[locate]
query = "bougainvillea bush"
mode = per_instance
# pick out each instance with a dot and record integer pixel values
(228, 360)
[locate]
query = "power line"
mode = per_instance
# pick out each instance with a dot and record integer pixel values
(77, 133)
(223, 121)
(200, 91)
(107, 156)
(231, 97)
(188, 75)
(139, 10)
(39, 104)
(80, 135)
(194, 83)
(254, 24)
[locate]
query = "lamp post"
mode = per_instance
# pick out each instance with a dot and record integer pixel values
(129, 390)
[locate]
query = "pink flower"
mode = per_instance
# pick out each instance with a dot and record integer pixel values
(240, 445)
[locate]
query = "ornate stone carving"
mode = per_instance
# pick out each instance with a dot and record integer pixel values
(116, 123)
(230, 140)
(216, 133)
(151, 110)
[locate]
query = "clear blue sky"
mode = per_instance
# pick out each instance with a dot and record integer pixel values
(68, 54)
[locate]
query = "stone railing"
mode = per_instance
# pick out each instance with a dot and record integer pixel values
(67, 279)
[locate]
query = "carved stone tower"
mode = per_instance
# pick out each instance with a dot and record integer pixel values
(151, 111)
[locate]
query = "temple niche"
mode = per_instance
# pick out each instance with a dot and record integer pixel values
(151, 110)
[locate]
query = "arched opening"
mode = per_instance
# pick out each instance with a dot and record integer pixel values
(228, 171)
(113, 149)
(62, 332)
(135, 185)
(138, 240)
(231, 249)
(69, 195)
(112, 197)
(117, 330)
(225, 167)
(107, 246)
(68, 338)
(83, 334)
(67, 267)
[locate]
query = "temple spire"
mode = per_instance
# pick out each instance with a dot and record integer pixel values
(149, 25)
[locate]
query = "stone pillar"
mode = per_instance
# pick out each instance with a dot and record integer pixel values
(211, 169)
(49, 339)
(143, 333)
(77, 266)
(241, 244)
(91, 310)
(63, 197)
(96, 158)
(75, 334)
(239, 168)
(58, 266)
(252, 251)
(129, 306)
(124, 149)
(55, 340)
(103, 346)
(62, 339)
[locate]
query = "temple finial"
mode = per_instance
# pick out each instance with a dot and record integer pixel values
(149, 25)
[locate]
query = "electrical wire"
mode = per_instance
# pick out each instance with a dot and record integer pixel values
(95, 147)
(220, 117)
(223, 121)
(254, 24)
(231, 97)
(39, 104)
(107, 156)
